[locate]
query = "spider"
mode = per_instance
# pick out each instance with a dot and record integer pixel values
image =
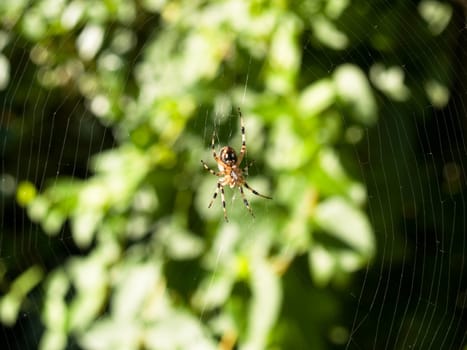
(230, 172)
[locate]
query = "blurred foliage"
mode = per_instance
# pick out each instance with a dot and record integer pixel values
(107, 109)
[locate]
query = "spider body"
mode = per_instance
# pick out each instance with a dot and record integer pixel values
(228, 157)
(230, 173)
(233, 176)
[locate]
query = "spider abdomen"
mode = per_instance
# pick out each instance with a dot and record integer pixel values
(228, 155)
(233, 177)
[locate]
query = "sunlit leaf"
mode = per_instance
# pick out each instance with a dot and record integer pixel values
(284, 56)
(437, 14)
(53, 221)
(85, 307)
(38, 208)
(348, 224)
(4, 72)
(286, 141)
(84, 226)
(328, 34)
(134, 285)
(34, 25)
(25, 193)
(55, 311)
(335, 8)
(390, 81)
(322, 264)
(326, 262)
(9, 309)
(180, 244)
(331, 178)
(72, 13)
(354, 90)
(264, 306)
(89, 41)
(53, 340)
(437, 93)
(108, 334)
(213, 291)
(179, 331)
(316, 98)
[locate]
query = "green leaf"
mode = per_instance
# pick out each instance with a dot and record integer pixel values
(328, 34)
(286, 141)
(84, 225)
(437, 15)
(331, 178)
(85, 307)
(9, 308)
(26, 193)
(52, 340)
(316, 98)
(179, 331)
(338, 218)
(355, 91)
(322, 264)
(10, 303)
(134, 285)
(90, 280)
(284, 56)
(180, 244)
(213, 291)
(390, 80)
(109, 334)
(4, 72)
(264, 306)
(55, 312)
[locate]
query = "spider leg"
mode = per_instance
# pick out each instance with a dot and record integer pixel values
(223, 202)
(256, 192)
(215, 195)
(245, 201)
(210, 170)
(213, 147)
(221, 188)
(245, 168)
(243, 149)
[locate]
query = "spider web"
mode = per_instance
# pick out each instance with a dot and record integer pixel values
(416, 297)
(52, 134)
(413, 294)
